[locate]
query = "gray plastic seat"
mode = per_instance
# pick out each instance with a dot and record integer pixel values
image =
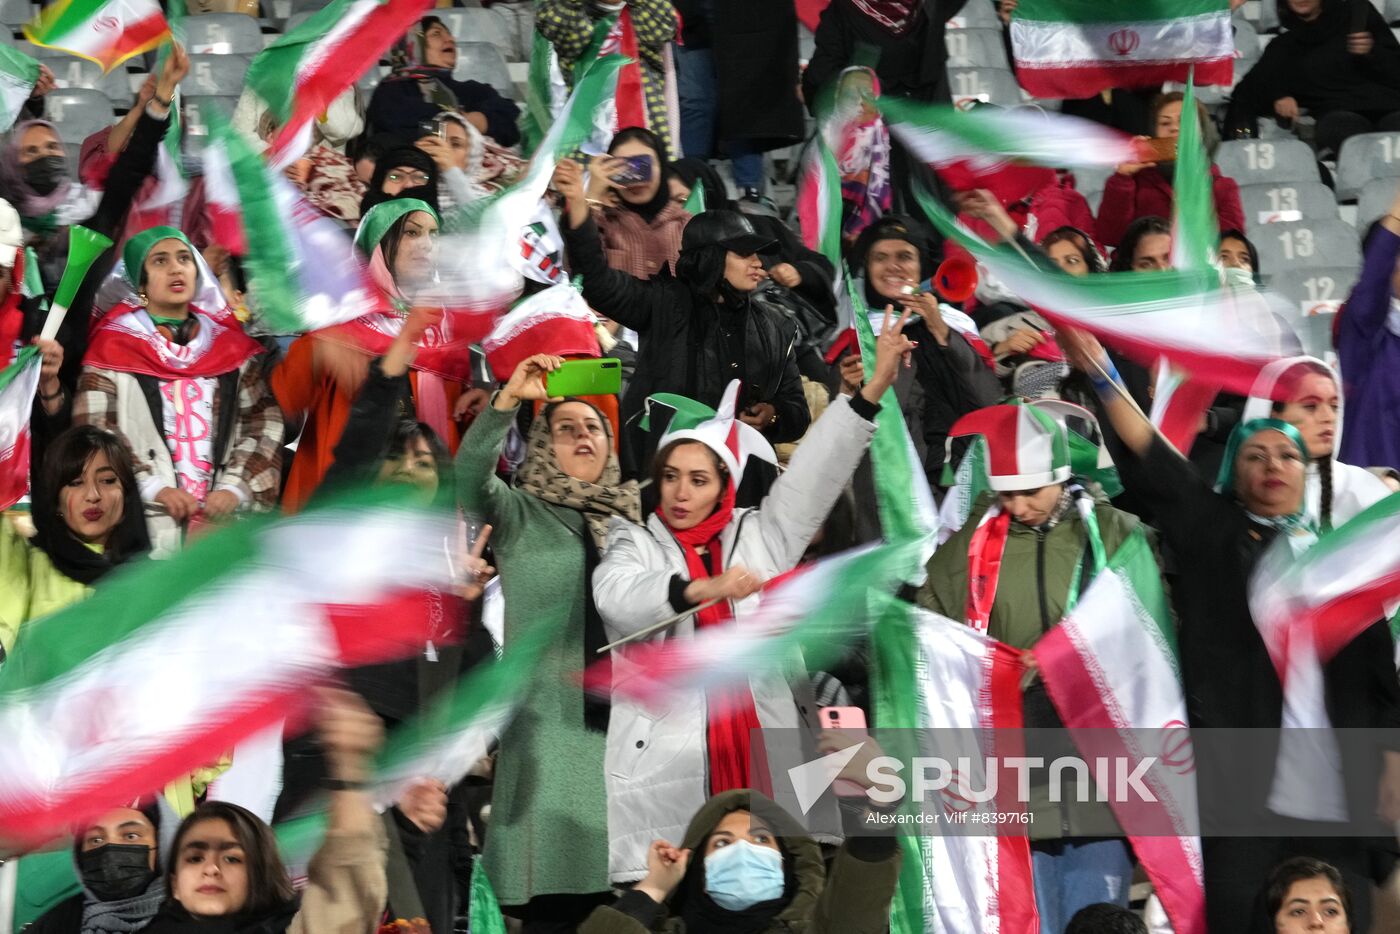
(296, 19)
(1268, 16)
(1313, 200)
(1376, 197)
(216, 75)
(1364, 157)
(478, 24)
(1246, 42)
(306, 6)
(15, 13)
(976, 14)
(1314, 294)
(482, 61)
(1391, 11)
(71, 72)
(1255, 161)
(223, 34)
(195, 115)
(1294, 245)
(975, 48)
(992, 85)
(77, 112)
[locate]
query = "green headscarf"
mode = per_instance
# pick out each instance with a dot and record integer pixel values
(1225, 482)
(136, 249)
(378, 219)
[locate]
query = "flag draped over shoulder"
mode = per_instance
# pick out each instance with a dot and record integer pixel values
(18, 383)
(104, 31)
(171, 663)
(1112, 672)
(301, 73)
(303, 272)
(1077, 48)
(933, 673)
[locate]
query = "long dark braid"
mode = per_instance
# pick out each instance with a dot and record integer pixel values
(1324, 474)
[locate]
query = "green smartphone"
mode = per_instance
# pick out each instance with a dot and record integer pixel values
(586, 378)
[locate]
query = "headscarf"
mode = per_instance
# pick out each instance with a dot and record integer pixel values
(648, 210)
(891, 227)
(174, 919)
(897, 17)
(374, 229)
(862, 148)
(414, 158)
(1333, 22)
(127, 915)
(543, 478)
(1294, 524)
(139, 247)
(26, 200)
(690, 170)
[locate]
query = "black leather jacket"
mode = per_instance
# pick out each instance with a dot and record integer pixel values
(680, 341)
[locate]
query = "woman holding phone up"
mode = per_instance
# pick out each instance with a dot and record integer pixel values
(702, 555)
(631, 203)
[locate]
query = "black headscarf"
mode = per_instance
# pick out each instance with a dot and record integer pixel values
(174, 919)
(1334, 20)
(414, 158)
(656, 205)
(689, 170)
(891, 227)
(52, 536)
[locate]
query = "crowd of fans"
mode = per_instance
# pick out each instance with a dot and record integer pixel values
(166, 408)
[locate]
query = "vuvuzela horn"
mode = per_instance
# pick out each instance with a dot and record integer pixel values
(84, 246)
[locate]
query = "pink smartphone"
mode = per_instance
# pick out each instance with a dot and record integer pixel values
(843, 718)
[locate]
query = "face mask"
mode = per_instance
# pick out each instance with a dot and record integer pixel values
(1236, 278)
(116, 871)
(43, 175)
(742, 875)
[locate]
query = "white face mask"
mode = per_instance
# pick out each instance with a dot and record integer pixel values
(1236, 278)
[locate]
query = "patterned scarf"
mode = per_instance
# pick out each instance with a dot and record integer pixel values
(863, 159)
(896, 16)
(542, 477)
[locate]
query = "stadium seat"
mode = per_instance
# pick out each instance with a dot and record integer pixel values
(1364, 157)
(1247, 45)
(216, 75)
(72, 72)
(1294, 245)
(223, 34)
(992, 85)
(806, 43)
(1314, 293)
(1253, 162)
(1377, 196)
(976, 14)
(1263, 203)
(77, 112)
(295, 20)
(975, 48)
(477, 24)
(482, 61)
(15, 13)
(1268, 16)
(1391, 11)
(306, 6)
(194, 112)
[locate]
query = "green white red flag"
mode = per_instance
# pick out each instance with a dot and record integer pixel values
(1077, 48)
(104, 31)
(931, 673)
(819, 203)
(171, 663)
(18, 384)
(18, 75)
(303, 71)
(1112, 672)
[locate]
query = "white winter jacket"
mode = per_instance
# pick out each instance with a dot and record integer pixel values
(656, 760)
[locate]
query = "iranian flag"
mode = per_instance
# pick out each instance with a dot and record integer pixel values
(1112, 672)
(171, 663)
(988, 139)
(816, 609)
(303, 271)
(104, 31)
(18, 383)
(819, 202)
(932, 673)
(1077, 48)
(1334, 591)
(18, 75)
(1183, 315)
(300, 74)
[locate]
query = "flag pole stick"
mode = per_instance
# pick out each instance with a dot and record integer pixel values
(657, 627)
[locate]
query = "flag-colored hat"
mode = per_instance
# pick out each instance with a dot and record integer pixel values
(378, 219)
(733, 441)
(556, 321)
(1026, 447)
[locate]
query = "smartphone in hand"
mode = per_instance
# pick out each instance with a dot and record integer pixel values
(844, 718)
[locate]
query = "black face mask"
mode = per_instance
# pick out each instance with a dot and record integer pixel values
(43, 175)
(116, 871)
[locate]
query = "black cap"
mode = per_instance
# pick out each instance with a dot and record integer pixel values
(728, 229)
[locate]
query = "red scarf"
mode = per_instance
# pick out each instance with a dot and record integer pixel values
(11, 315)
(125, 339)
(731, 711)
(984, 565)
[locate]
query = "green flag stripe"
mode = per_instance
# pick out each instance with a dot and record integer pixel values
(1101, 11)
(1196, 230)
(24, 358)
